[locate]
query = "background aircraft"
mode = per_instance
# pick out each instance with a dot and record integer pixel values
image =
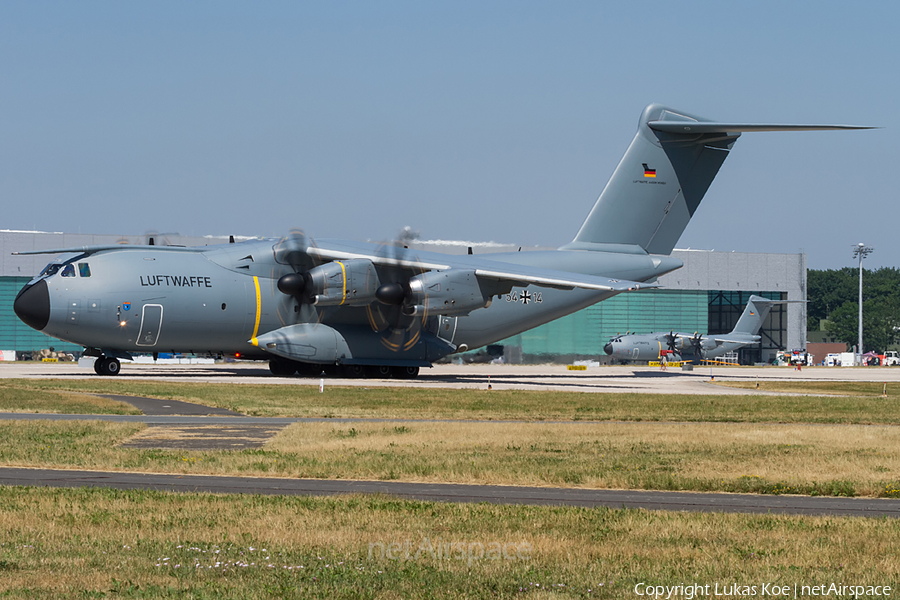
(366, 309)
(692, 346)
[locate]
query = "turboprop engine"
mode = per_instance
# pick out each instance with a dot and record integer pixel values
(350, 282)
(455, 292)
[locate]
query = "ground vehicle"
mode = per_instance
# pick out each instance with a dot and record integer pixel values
(891, 359)
(833, 359)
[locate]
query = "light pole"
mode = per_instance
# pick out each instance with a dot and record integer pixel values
(861, 251)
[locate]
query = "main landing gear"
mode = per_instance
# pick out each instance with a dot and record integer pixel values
(107, 365)
(282, 367)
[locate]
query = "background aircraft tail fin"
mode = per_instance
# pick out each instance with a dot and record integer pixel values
(754, 314)
(659, 183)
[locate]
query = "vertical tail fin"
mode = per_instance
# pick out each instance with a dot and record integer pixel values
(662, 178)
(657, 186)
(754, 314)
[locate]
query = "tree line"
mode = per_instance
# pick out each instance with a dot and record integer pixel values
(833, 295)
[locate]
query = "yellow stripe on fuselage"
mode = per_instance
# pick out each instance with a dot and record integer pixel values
(344, 275)
(258, 311)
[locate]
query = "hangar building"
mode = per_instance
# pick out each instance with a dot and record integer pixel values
(707, 295)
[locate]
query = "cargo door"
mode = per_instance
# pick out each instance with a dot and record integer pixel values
(151, 323)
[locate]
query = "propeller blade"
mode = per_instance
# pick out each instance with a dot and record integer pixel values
(394, 316)
(293, 249)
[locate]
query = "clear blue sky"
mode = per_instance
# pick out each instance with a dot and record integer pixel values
(481, 121)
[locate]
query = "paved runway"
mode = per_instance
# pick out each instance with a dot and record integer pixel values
(445, 492)
(520, 377)
(157, 406)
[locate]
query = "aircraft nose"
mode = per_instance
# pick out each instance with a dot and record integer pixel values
(32, 305)
(608, 348)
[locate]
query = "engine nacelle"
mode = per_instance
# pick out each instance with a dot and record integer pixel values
(351, 282)
(453, 292)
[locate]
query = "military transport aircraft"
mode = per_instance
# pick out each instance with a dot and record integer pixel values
(693, 347)
(381, 310)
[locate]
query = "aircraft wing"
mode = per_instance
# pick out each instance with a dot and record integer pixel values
(733, 339)
(563, 280)
(390, 257)
(512, 274)
(737, 340)
(94, 249)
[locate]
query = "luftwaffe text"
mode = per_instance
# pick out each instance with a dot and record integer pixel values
(176, 281)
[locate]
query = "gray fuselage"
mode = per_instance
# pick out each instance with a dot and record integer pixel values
(219, 299)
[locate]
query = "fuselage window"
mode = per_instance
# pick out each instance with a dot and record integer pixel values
(84, 269)
(68, 271)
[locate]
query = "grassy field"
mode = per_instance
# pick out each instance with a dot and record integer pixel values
(724, 457)
(84, 543)
(24, 399)
(862, 406)
(854, 389)
(130, 544)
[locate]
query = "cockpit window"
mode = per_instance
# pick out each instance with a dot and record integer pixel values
(50, 269)
(84, 269)
(68, 271)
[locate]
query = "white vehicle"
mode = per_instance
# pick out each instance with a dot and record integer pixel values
(891, 359)
(833, 359)
(848, 359)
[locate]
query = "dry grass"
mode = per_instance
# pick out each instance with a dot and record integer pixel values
(852, 389)
(132, 544)
(127, 544)
(763, 458)
(14, 398)
(720, 456)
(424, 403)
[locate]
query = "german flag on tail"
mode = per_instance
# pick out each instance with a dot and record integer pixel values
(648, 172)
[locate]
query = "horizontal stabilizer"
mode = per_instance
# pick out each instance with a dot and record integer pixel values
(687, 127)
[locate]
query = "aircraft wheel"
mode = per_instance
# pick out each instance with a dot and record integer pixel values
(354, 371)
(282, 368)
(309, 369)
(406, 372)
(380, 372)
(107, 366)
